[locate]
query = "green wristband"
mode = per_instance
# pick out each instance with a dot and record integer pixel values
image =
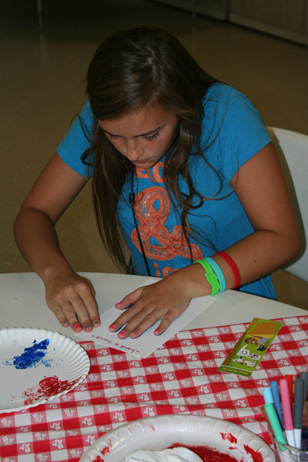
(210, 276)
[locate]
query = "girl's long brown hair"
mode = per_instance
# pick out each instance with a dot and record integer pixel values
(133, 68)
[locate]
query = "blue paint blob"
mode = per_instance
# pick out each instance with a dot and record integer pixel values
(32, 355)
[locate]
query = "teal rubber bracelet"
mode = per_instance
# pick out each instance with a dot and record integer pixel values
(219, 273)
(210, 276)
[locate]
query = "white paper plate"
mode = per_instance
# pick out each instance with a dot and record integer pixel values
(161, 432)
(36, 365)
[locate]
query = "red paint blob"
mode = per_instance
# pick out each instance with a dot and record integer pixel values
(256, 456)
(208, 454)
(98, 459)
(50, 386)
(229, 437)
(105, 451)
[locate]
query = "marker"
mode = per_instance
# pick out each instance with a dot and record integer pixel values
(274, 421)
(298, 412)
(304, 376)
(287, 414)
(268, 398)
(290, 384)
(276, 397)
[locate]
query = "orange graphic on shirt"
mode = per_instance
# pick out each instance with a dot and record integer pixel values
(151, 220)
(156, 175)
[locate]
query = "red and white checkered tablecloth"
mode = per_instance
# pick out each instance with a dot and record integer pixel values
(180, 377)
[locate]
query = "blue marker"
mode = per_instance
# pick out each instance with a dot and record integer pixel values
(276, 397)
(268, 398)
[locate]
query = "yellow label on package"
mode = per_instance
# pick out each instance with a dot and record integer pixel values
(249, 350)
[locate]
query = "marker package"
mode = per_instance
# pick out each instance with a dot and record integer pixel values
(249, 350)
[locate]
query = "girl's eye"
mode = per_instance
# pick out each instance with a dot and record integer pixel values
(146, 137)
(152, 137)
(112, 137)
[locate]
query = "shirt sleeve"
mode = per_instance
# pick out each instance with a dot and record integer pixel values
(237, 131)
(77, 141)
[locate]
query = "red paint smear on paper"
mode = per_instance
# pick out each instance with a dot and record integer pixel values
(229, 437)
(256, 456)
(50, 386)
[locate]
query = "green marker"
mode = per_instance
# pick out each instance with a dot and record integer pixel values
(275, 424)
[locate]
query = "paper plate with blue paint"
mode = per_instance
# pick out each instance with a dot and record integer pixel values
(38, 365)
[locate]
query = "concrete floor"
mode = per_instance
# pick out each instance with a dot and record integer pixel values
(42, 86)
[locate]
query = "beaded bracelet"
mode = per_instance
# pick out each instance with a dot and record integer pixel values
(215, 279)
(233, 267)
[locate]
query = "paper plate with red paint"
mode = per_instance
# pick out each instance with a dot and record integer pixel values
(37, 365)
(210, 438)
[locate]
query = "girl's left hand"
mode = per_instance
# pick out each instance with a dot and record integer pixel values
(148, 305)
(164, 300)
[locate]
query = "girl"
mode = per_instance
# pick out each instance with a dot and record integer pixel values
(183, 172)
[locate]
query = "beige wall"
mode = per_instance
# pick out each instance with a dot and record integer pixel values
(217, 9)
(283, 18)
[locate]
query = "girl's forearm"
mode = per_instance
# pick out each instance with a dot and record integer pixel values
(38, 242)
(261, 253)
(257, 255)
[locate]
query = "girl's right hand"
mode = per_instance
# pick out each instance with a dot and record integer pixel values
(72, 299)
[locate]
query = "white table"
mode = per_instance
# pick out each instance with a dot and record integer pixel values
(23, 305)
(22, 302)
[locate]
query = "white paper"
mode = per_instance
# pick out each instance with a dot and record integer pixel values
(148, 342)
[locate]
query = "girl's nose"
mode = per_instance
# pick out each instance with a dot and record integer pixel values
(133, 152)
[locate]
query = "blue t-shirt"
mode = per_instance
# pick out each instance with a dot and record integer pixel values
(232, 133)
